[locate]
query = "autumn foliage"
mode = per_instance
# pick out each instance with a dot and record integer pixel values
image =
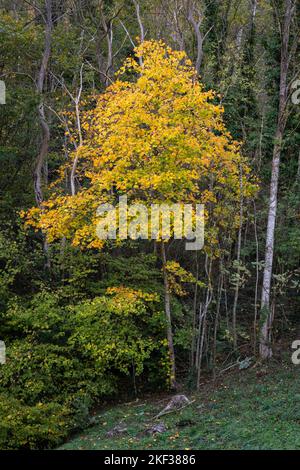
(157, 136)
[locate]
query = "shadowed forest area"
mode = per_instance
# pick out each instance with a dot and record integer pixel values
(108, 109)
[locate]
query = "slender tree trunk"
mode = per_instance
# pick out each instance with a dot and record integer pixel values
(256, 303)
(202, 333)
(80, 137)
(203, 321)
(216, 322)
(177, 34)
(141, 25)
(139, 18)
(265, 337)
(201, 338)
(239, 247)
(168, 316)
(195, 315)
(196, 23)
(200, 317)
(41, 108)
(107, 25)
(45, 134)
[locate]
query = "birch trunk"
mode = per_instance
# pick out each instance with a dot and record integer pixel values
(265, 336)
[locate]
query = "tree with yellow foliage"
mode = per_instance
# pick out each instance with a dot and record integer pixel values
(156, 136)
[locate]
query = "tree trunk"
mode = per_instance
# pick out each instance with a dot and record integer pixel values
(45, 134)
(196, 23)
(80, 137)
(38, 191)
(195, 315)
(265, 337)
(168, 317)
(139, 18)
(238, 259)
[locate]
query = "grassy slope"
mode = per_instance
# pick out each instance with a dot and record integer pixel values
(246, 411)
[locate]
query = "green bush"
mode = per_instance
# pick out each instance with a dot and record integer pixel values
(64, 359)
(37, 372)
(41, 426)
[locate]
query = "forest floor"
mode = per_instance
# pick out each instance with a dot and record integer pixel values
(258, 408)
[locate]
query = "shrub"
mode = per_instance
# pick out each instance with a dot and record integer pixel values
(41, 426)
(65, 358)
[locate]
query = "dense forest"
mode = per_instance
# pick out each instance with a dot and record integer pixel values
(163, 102)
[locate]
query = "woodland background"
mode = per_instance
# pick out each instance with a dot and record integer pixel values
(72, 345)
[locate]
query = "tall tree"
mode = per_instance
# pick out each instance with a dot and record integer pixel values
(265, 338)
(158, 140)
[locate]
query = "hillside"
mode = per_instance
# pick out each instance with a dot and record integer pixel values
(254, 409)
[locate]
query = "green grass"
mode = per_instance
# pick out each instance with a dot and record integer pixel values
(244, 412)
